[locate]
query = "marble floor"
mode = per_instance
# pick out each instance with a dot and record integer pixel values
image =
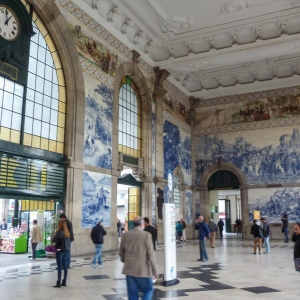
(232, 272)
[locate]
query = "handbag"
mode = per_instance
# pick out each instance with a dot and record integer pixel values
(297, 263)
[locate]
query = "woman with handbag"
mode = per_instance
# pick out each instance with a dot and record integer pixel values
(62, 244)
(296, 240)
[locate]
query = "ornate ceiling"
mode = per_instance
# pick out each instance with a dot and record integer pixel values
(211, 48)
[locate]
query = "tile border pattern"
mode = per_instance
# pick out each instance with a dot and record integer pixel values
(248, 126)
(183, 98)
(172, 119)
(249, 96)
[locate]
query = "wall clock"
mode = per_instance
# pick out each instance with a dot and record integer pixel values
(9, 24)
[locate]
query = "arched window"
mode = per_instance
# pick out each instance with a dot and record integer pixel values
(34, 115)
(130, 132)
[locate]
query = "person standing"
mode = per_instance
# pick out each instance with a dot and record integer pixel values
(296, 240)
(70, 228)
(35, 237)
(285, 227)
(97, 234)
(119, 229)
(3, 225)
(255, 230)
(239, 226)
(62, 245)
(137, 253)
(221, 225)
(179, 229)
(266, 233)
(213, 229)
(183, 230)
(203, 234)
(151, 230)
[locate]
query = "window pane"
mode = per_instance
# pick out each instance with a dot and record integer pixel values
(53, 132)
(42, 41)
(1, 82)
(49, 60)
(33, 50)
(6, 118)
(38, 111)
(31, 81)
(28, 125)
(16, 121)
(8, 100)
(1, 98)
(30, 94)
(54, 104)
(38, 98)
(47, 101)
(45, 130)
(37, 127)
(32, 65)
(55, 91)
(54, 77)
(39, 84)
(48, 87)
(40, 69)
(18, 104)
(53, 118)
(48, 73)
(46, 114)
(42, 54)
(19, 90)
(29, 108)
(9, 86)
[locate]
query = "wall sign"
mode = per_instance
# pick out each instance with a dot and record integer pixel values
(23, 175)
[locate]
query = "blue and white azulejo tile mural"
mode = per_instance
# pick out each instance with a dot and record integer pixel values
(98, 124)
(265, 156)
(275, 202)
(177, 151)
(96, 199)
(153, 204)
(188, 207)
(153, 145)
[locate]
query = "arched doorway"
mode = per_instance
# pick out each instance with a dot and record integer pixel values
(223, 176)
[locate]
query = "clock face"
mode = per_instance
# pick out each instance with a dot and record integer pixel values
(9, 25)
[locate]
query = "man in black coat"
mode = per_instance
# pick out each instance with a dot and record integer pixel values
(97, 234)
(70, 228)
(257, 234)
(221, 225)
(151, 230)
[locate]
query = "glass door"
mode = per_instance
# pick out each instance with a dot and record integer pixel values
(134, 205)
(25, 226)
(227, 216)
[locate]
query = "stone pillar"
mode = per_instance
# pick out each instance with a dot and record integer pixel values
(160, 181)
(245, 212)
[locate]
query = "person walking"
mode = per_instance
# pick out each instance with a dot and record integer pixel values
(62, 244)
(97, 234)
(137, 254)
(285, 227)
(221, 226)
(151, 230)
(213, 229)
(35, 237)
(257, 234)
(203, 234)
(70, 228)
(296, 240)
(266, 230)
(119, 229)
(3, 225)
(183, 230)
(179, 229)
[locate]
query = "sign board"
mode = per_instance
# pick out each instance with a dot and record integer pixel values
(170, 275)
(23, 175)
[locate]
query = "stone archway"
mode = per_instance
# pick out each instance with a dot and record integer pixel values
(243, 186)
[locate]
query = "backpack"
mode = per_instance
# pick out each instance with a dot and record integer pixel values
(64, 244)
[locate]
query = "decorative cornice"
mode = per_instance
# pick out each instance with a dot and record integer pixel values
(172, 119)
(248, 126)
(249, 96)
(183, 98)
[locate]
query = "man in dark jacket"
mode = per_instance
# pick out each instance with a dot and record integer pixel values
(221, 225)
(70, 228)
(97, 234)
(203, 234)
(285, 227)
(266, 230)
(256, 231)
(151, 230)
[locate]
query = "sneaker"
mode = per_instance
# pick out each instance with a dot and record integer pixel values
(286, 241)
(199, 259)
(205, 260)
(254, 252)
(99, 266)
(94, 266)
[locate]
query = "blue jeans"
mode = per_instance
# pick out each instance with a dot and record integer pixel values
(62, 264)
(139, 284)
(69, 256)
(203, 253)
(286, 232)
(267, 242)
(98, 254)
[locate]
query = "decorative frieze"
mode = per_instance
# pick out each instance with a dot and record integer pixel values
(172, 119)
(248, 126)
(183, 98)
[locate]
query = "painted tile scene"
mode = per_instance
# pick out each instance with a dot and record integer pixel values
(96, 199)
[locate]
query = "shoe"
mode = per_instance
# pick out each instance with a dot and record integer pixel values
(259, 253)
(94, 266)
(267, 253)
(286, 241)
(32, 258)
(205, 260)
(213, 247)
(99, 266)
(254, 252)
(199, 259)
(58, 285)
(63, 283)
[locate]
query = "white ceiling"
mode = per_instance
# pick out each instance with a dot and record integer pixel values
(211, 47)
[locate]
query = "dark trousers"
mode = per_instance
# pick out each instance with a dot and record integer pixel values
(221, 231)
(33, 247)
(62, 264)
(69, 256)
